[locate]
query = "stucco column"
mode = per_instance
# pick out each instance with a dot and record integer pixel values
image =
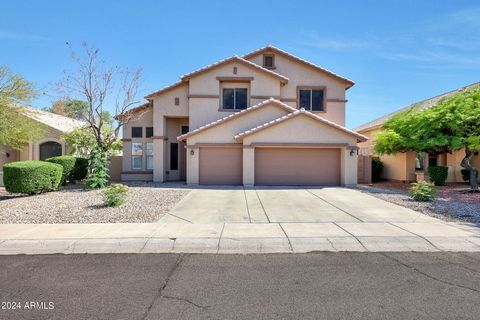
(158, 160)
(248, 166)
(349, 159)
(193, 165)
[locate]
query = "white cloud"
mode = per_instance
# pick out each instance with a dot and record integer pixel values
(6, 35)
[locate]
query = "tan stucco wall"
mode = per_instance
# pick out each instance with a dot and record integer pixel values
(206, 110)
(301, 129)
(302, 75)
(145, 120)
(13, 155)
(225, 132)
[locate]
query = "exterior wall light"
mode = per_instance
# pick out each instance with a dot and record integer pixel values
(352, 153)
(192, 152)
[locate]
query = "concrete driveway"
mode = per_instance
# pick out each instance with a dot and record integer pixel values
(287, 205)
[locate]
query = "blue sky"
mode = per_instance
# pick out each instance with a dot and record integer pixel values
(397, 52)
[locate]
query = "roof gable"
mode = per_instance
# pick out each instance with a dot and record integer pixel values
(271, 48)
(236, 115)
(295, 114)
(237, 59)
(55, 121)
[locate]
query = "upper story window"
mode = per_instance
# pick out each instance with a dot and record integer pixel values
(148, 132)
(311, 99)
(269, 61)
(234, 98)
(137, 132)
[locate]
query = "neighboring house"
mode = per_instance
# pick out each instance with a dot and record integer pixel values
(403, 166)
(267, 118)
(49, 146)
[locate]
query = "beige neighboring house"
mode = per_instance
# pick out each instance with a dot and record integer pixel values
(266, 118)
(49, 146)
(404, 166)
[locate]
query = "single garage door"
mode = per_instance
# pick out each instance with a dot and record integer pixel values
(297, 166)
(221, 165)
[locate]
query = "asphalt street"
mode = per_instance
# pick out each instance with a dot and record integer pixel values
(283, 286)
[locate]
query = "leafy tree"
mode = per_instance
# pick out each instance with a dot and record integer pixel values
(15, 128)
(453, 124)
(82, 141)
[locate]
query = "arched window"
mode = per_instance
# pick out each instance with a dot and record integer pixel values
(50, 149)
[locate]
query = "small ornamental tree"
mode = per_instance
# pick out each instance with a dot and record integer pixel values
(453, 124)
(103, 88)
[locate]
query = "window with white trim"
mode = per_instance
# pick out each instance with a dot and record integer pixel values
(149, 154)
(137, 155)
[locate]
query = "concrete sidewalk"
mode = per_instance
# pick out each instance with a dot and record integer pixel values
(239, 237)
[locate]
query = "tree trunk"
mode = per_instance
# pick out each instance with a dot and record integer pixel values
(473, 179)
(466, 164)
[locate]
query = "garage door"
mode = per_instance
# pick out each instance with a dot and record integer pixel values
(297, 166)
(221, 165)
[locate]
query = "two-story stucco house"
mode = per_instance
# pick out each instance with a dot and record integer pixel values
(267, 118)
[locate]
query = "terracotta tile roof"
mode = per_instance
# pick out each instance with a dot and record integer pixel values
(139, 108)
(164, 89)
(293, 115)
(236, 59)
(275, 49)
(56, 121)
(236, 115)
(421, 105)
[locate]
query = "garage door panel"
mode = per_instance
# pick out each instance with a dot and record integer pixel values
(297, 166)
(221, 165)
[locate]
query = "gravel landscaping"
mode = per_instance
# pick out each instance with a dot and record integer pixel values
(450, 205)
(145, 202)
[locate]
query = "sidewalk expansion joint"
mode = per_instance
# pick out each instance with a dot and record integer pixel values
(315, 195)
(220, 238)
(246, 203)
(263, 208)
(289, 242)
(361, 243)
(415, 234)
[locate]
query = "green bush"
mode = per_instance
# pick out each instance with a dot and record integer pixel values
(81, 169)
(377, 168)
(68, 164)
(98, 164)
(114, 194)
(466, 175)
(423, 191)
(438, 175)
(32, 177)
(74, 168)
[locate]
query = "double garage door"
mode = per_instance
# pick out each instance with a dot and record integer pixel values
(273, 166)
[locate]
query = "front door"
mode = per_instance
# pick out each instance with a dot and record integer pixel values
(50, 149)
(183, 156)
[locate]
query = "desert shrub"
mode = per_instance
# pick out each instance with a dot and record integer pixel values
(114, 194)
(377, 168)
(80, 171)
(423, 191)
(32, 177)
(68, 164)
(74, 168)
(466, 175)
(98, 164)
(438, 175)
